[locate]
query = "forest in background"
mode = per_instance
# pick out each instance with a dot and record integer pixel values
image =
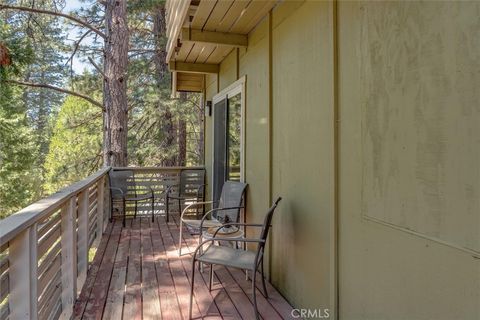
(50, 139)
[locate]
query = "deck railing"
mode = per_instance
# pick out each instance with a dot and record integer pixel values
(158, 179)
(44, 248)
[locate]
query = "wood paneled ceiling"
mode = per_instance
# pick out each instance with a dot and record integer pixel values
(235, 17)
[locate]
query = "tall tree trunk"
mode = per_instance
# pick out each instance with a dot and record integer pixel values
(115, 88)
(159, 32)
(168, 145)
(182, 142)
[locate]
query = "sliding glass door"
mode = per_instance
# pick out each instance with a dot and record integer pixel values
(228, 132)
(219, 147)
(234, 136)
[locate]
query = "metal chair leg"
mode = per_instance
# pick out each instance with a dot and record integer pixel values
(191, 290)
(167, 208)
(153, 208)
(211, 278)
(136, 206)
(180, 239)
(111, 209)
(263, 282)
(200, 264)
(255, 295)
(124, 212)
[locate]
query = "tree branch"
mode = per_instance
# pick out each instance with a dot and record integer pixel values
(54, 13)
(97, 67)
(40, 85)
(77, 45)
(85, 121)
(142, 50)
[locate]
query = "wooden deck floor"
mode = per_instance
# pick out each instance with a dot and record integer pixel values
(137, 274)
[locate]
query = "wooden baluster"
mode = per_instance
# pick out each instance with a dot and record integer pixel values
(100, 210)
(23, 275)
(107, 204)
(69, 258)
(82, 237)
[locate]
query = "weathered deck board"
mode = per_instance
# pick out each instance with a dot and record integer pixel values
(132, 308)
(115, 296)
(98, 295)
(182, 283)
(137, 274)
(82, 300)
(166, 287)
(151, 299)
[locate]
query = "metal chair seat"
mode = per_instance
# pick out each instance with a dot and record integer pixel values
(193, 197)
(228, 256)
(197, 223)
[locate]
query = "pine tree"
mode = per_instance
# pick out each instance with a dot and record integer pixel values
(18, 174)
(47, 66)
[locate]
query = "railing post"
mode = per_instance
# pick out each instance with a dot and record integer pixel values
(82, 237)
(23, 275)
(100, 208)
(69, 258)
(107, 203)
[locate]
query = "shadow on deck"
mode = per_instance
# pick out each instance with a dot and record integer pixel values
(136, 273)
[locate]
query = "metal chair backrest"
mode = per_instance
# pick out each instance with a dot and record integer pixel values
(192, 182)
(267, 224)
(232, 196)
(120, 179)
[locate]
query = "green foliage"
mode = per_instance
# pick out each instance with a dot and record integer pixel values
(47, 142)
(20, 48)
(75, 146)
(18, 174)
(18, 183)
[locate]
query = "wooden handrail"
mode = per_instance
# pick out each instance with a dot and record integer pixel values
(16, 223)
(157, 168)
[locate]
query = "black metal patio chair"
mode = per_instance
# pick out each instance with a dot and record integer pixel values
(234, 257)
(123, 188)
(191, 187)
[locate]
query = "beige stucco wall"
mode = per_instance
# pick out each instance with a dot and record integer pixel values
(408, 74)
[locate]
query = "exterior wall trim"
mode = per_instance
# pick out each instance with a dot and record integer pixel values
(239, 86)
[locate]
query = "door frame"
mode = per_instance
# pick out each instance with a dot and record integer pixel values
(235, 88)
